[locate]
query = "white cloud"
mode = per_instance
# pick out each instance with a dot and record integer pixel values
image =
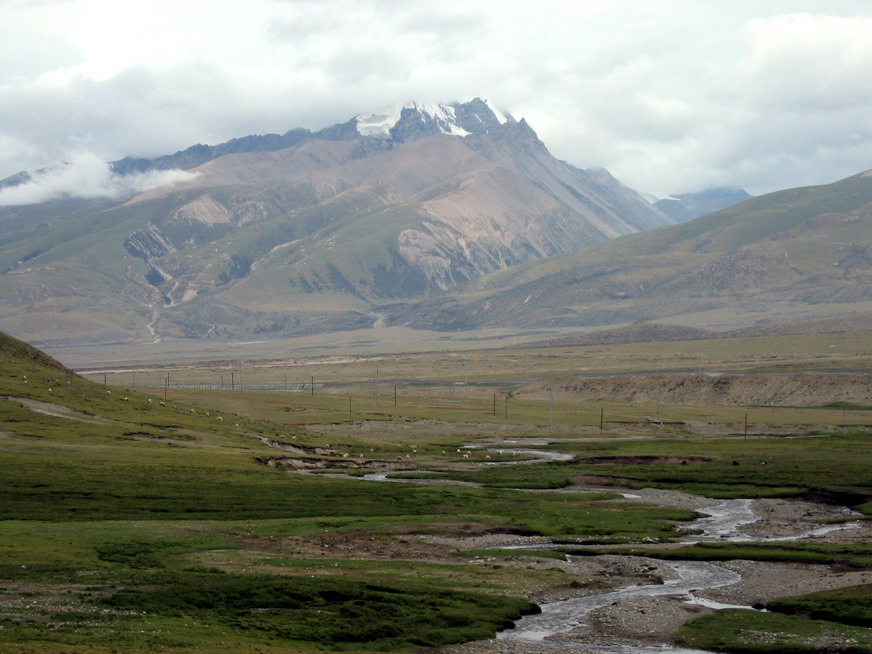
(804, 61)
(670, 96)
(85, 175)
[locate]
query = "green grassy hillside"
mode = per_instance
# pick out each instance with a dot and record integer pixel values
(142, 520)
(118, 504)
(795, 254)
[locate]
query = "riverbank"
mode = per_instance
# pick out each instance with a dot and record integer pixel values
(638, 623)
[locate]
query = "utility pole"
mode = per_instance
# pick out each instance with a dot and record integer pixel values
(602, 414)
(746, 426)
(313, 385)
(377, 398)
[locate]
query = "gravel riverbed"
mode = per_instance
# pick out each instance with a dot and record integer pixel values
(640, 622)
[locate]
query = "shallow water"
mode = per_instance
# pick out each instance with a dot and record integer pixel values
(728, 516)
(722, 523)
(560, 617)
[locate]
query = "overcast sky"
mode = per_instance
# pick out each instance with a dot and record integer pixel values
(670, 95)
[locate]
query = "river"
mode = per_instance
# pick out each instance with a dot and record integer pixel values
(561, 617)
(722, 523)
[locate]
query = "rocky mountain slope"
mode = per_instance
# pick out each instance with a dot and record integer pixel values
(788, 256)
(305, 232)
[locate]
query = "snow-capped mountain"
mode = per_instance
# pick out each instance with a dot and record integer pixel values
(475, 117)
(284, 234)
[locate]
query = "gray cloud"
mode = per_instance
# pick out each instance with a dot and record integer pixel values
(670, 96)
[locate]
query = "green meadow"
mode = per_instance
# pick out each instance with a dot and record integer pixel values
(139, 519)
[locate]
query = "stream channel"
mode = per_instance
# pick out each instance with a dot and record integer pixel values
(722, 523)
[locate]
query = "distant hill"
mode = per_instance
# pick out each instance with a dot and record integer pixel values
(644, 332)
(437, 217)
(789, 256)
(687, 206)
(305, 232)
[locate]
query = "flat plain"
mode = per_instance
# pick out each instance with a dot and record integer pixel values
(233, 503)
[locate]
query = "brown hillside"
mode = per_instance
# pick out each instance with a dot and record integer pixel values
(744, 390)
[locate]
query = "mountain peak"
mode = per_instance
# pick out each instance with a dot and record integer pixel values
(415, 119)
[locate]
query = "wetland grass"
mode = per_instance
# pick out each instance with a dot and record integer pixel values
(753, 632)
(135, 520)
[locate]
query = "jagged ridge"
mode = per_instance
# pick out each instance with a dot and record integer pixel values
(399, 204)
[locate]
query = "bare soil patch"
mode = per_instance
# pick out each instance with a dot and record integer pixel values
(324, 463)
(814, 389)
(651, 459)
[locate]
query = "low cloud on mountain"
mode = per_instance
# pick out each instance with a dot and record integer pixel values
(86, 175)
(671, 97)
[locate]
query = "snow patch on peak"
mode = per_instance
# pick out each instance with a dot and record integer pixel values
(379, 123)
(500, 116)
(443, 115)
(456, 119)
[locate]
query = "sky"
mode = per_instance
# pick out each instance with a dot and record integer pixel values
(671, 96)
